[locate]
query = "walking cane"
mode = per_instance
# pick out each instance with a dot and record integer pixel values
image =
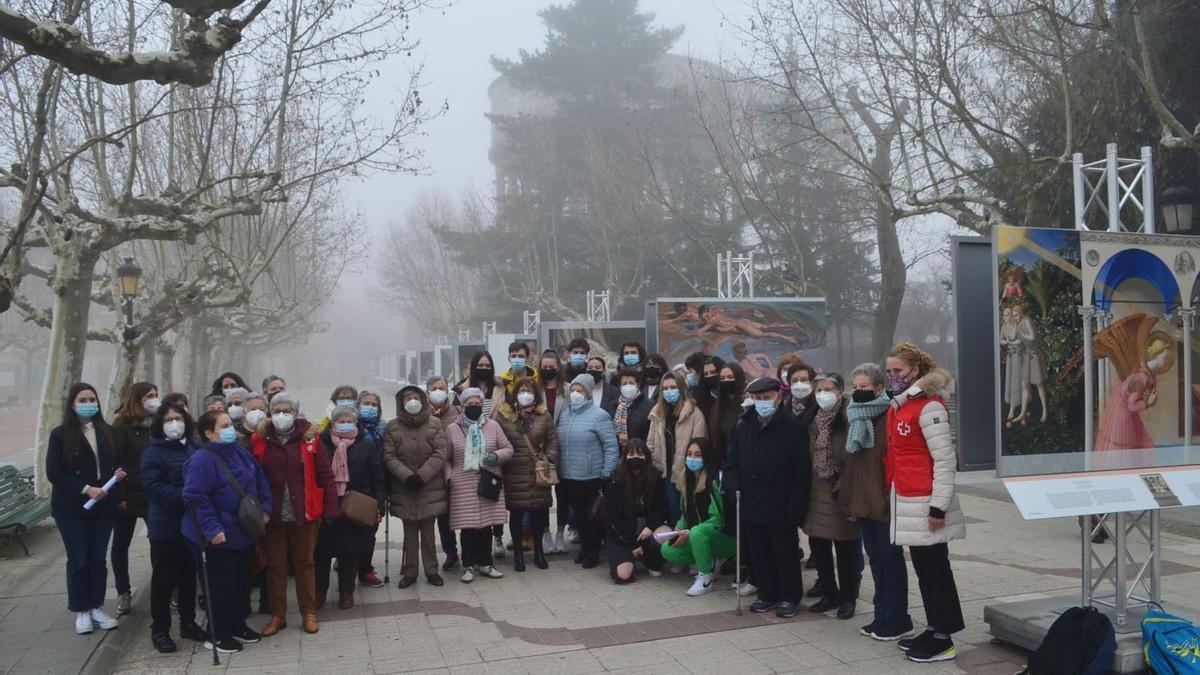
(738, 534)
(387, 541)
(212, 636)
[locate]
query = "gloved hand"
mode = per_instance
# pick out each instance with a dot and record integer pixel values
(414, 483)
(490, 459)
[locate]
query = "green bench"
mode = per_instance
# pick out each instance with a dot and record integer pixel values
(20, 508)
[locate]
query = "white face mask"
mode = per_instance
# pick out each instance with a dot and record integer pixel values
(437, 397)
(255, 417)
(525, 399)
(748, 403)
(173, 429)
(577, 398)
(283, 421)
(151, 405)
(413, 406)
(629, 390)
(826, 399)
(801, 389)
(235, 412)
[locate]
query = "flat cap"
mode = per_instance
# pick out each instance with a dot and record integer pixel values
(762, 385)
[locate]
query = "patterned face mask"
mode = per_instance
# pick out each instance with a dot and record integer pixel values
(897, 383)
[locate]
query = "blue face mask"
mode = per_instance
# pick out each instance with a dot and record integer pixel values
(631, 359)
(517, 363)
(368, 413)
(228, 435)
(346, 402)
(671, 396)
(87, 410)
(692, 381)
(344, 427)
(694, 464)
(578, 360)
(764, 408)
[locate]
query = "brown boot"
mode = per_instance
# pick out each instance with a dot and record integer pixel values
(273, 626)
(346, 601)
(310, 623)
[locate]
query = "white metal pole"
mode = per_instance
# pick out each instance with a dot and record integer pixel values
(1122, 599)
(1114, 194)
(1080, 188)
(1156, 560)
(1089, 403)
(1149, 210)
(1187, 315)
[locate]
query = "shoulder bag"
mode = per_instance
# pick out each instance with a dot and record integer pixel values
(545, 474)
(250, 511)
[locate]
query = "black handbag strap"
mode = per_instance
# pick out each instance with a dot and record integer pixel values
(228, 474)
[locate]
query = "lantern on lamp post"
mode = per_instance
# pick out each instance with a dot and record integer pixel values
(129, 279)
(1177, 207)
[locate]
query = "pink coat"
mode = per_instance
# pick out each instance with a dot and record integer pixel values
(469, 511)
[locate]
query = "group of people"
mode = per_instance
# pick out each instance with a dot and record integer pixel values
(651, 465)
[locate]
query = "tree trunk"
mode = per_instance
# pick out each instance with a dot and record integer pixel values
(893, 276)
(149, 354)
(125, 360)
(66, 347)
(166, 375)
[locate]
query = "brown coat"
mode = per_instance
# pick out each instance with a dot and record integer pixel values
(520, 493)
(416, 444)
(825, 518)
(864, 490)
(688, 425)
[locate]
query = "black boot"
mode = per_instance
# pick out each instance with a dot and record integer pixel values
(163, 643)
(518, 558)
(539, 555)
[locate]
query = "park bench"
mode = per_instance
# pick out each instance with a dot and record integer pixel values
(20, 508)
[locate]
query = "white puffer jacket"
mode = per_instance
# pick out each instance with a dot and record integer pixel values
(910, 515)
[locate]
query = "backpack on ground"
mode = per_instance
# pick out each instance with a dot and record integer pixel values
(1080, 642)
(1171, 644)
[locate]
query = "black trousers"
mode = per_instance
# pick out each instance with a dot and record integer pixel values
(775, 552)
(347, 569)
(226, 575)
(652, 558)
(845, 587)
(122, 537)
(581, 494)
(171, 567)
(562, 505)
(477, 547)
(943, 611)
(539, 520)
(449, 545)
(366, 551)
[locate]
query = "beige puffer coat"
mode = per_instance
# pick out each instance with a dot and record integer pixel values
(688, 425)
(520, 492)
(416, 444)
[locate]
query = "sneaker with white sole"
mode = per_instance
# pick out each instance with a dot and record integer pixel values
(748, 589)
(654, 573)
(572, 536)
(227, 646)
(83, 623)
(468, 574)
(703, 584)
(498, 550)
(491, 572)
(102, 620)
(560, 546)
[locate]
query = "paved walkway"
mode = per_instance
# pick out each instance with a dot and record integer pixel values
(566, 619)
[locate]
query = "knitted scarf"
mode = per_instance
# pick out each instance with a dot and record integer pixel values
(822, 456)
(862, 425)
(621, 418)
(473, 449)
(341, 469)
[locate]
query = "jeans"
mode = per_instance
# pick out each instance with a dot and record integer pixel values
(225, 570)
(171, 566)
(86, 541)
(943, 611)
(673, 505)
(122, 536)
(890, 575)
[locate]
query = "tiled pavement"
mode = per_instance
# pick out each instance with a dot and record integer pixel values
(568, 620)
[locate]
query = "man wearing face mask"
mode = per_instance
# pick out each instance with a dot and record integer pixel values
(302, 493)
(768, 460)
(271, 385)
(518, 367)
(577, 354)
(632, 356)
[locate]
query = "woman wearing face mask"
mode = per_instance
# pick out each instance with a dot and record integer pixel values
(226, 383)
(673, 423)
(631, 419)
(131, 432)
(652, 372)
(171, 564)
(483, 377)
(710, 379)
(588, 454)
(371, 426)
(727, 408)
(554, 391)
(344, 395)
(826, 524)
(444, 409)
(415, 449)
(476, 445)
(529, 427)
(80, 458)
(235, 405)
(254, 412)
(703, 535)
(211, 520)
(302, 492)
(864, 497)
(799, 399)
(604, 395)
(921, 467)
(634, 508)
(356, 466)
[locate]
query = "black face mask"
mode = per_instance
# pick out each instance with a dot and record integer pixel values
(726, 388)
(473, 412)
(652, 374)
(549, 374)
(710, 381)
(597, 375)
(863, 396)
(636, 464)
(483, 373)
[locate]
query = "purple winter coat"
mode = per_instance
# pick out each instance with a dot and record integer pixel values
(211, 498)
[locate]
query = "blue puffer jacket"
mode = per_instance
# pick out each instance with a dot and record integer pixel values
(587, 443)
(212, 499)
(162, 479)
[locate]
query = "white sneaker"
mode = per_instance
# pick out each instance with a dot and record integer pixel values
(491, 572)
(498, 547)
(560, 546)
(702, 585)
(104, 621)
(572, 536)
(654, 573)
(748, 589)
(547, 542)
(468, 575)
(83, 623)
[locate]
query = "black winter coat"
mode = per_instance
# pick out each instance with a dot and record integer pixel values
(621, 513)
(770, 464)
(67, 498)
(131, 441)
(340, 537)
(638, 423)
(162, 477)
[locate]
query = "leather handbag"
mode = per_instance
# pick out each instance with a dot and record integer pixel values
(489, 486)
(545, 474)
(359, 508)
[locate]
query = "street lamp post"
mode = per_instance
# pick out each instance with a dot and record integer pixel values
(1177, 206)
(129, 278)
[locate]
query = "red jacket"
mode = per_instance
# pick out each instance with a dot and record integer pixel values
(301, 466)
(908, 461)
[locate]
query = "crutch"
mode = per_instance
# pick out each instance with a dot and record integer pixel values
(387, 541)
(738, 534)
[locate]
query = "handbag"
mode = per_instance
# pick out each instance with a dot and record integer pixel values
(250, 511)
(489, 486)
(359, 508)
(545, 474)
